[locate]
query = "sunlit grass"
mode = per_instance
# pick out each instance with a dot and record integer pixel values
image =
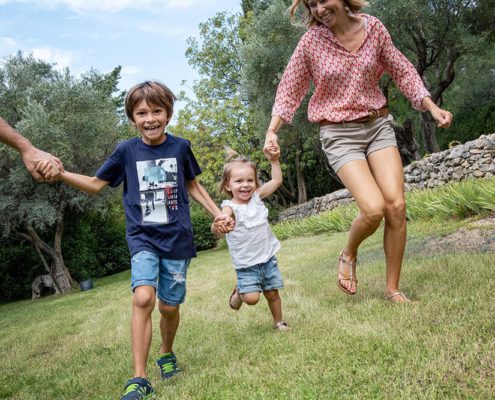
(77, 346)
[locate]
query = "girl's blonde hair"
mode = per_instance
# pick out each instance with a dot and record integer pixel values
(308, 20)
(232, 160)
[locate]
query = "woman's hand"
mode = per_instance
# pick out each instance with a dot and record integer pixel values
(443, 117)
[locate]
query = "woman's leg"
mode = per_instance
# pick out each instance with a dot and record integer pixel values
(386, 167)
(358, 179)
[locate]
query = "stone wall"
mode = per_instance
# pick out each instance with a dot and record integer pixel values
(475, 159)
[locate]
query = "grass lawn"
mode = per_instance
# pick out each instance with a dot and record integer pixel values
(339, 347)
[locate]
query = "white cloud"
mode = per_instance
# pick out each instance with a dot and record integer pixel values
(61, 58)
(8, 41)
(111, 5)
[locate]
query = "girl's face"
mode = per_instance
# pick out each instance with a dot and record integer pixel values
(327, 12)
(242, 183)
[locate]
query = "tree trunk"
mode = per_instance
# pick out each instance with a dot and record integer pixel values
(408, 148)
(57, 270)
(302, 195)
(428, 132)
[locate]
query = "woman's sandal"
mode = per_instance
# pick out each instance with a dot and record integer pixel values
(392, 298)
(352, 275)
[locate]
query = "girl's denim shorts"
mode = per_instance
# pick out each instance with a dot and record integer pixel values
(260, 277)
(168, 277)
(356, 141)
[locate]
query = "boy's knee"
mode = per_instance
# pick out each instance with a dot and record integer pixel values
(167, 310)
(144, 297)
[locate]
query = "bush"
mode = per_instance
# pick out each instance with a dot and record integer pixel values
(204, 239)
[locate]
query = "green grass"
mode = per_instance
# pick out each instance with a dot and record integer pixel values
(76, 346)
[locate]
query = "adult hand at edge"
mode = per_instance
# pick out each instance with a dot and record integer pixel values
(33, 156)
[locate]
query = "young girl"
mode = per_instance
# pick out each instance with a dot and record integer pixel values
(251, 243)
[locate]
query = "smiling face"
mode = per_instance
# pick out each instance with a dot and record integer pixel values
(151, 121)
(327, 12)
(242, 183)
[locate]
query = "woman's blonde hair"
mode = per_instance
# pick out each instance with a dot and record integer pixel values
(308, 20)
(232, 160)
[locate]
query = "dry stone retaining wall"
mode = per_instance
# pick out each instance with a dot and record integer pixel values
(475, 159)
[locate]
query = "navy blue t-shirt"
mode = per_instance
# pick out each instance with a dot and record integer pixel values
(156, 201)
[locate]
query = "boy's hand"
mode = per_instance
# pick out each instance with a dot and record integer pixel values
(272, 153)
(49, 170)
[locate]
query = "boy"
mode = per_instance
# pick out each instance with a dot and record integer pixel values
(160, 169)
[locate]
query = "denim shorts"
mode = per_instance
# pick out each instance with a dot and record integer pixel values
(260, 277)
(168, 277)
(356, 141)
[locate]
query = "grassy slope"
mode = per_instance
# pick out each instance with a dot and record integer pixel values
(77, 346)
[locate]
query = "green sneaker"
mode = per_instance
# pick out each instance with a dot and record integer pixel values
(137, 389)
(168, 365)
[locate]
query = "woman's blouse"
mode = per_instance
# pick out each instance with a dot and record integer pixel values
(252, 241)
(346, 83)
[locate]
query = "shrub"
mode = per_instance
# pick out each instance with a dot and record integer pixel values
(204, 239)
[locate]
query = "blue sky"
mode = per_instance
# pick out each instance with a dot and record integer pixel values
(146, 37)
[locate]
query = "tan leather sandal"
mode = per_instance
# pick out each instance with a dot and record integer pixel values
(352, 275)
(393, 298)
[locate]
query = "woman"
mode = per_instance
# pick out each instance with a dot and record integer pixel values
(344, 53)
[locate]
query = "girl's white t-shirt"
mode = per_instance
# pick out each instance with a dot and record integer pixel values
(252, 241)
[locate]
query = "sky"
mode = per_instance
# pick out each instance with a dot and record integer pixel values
(147, 38)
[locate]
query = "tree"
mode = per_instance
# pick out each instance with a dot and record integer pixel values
(435, 35)
(76, 119)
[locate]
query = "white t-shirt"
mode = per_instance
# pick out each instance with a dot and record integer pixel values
(252, 241)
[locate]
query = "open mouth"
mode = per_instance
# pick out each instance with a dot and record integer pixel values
(151, 128)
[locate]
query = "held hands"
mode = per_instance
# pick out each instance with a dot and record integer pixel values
(43, 166)
(272, 153)
(48, 170)
(271, 146)
(222, 224)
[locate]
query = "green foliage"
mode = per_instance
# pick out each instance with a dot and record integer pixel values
(456, 199)
(204, 239)
(95, 244)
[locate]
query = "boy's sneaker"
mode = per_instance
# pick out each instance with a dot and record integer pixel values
(168, 365)
(137, 389)
(235, 301)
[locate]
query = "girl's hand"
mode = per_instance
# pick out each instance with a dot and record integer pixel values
(222, 224)
(272, 153)
(271, 141)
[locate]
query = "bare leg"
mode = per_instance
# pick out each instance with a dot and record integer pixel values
(275, 304)
(143, 302)
(357, 178)
(386, 166)
(250, 298)
(169, 323)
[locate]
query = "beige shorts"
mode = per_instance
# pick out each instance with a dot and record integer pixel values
(352, 141)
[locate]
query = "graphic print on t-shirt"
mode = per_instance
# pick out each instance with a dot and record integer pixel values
(157, 188)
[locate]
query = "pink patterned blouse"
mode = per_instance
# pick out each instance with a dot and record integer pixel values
(346, 84)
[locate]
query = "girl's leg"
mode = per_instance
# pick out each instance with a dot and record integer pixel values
(251, 298)
(169, 323)
(143, 302)
(386, 167)
(275, 304)
(358, 179)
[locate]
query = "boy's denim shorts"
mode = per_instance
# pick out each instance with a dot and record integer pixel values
(260, 277)
(356, 141)
(168, 277)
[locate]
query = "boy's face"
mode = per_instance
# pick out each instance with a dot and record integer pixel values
(151, 121)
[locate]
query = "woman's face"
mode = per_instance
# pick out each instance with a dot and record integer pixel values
(327, 12)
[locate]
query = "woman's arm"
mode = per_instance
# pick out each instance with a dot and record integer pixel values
(443, 117)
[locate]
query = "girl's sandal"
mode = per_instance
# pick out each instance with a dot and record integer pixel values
(281, 326)
(393, 298)
(352, 275)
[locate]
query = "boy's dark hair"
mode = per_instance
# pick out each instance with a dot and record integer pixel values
(152, 92)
